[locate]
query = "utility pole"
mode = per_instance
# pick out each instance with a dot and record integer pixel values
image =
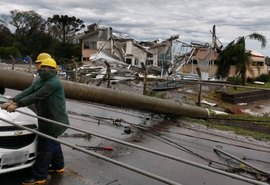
(145, 78)
(200, 85)
(30, 63)
(78, 91)
(13, 61)
(107, 75)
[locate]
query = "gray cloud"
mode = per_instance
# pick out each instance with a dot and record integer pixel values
(152, 19)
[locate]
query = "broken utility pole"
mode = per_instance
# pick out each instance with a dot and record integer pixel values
(145, 78)
(21, 80)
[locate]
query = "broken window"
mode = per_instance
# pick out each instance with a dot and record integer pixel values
(149, 55)
(136, 62)
(216, 62)
(89, 45)
(149, 62)
(128, 60)
(85, 58)
(164, 57)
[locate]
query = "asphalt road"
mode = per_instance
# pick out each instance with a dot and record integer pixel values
(181, 138)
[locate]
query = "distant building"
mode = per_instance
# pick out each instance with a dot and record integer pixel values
(206, 59)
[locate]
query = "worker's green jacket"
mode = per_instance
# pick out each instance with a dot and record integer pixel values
(48, 96)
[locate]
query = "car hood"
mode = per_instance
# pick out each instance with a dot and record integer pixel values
(18, 118)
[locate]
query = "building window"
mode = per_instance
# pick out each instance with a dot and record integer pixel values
(149, 55)
(194, 61)
(89, 45)
(163, 56)
(260, 63)
(257, 63)
(136, 62)
(149, 62)
(85, 58)
(215, 62)
(128, 60)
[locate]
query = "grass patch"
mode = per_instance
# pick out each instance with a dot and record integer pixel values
(234, 90)
(265, 121)
(161, 95)
(266, 85)
(240, 131)
(237, 130)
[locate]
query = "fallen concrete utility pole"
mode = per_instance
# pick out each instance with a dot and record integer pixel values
(77, 91)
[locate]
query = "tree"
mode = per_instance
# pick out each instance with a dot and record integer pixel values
(26, 22)
(29, 31)
(236, 54)
(64, 27)
(6, 52)
(6, 37)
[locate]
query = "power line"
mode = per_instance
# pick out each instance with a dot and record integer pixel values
(142, 148)
(148, 174)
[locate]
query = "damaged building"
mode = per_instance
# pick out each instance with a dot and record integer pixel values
(206, 59)
(104, 43)
(98, 41)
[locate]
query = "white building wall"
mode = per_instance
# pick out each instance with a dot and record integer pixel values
(155, 56)
(129, 47)
(138, 54)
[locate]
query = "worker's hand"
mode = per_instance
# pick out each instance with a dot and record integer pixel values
(5, 105)
(12, 107)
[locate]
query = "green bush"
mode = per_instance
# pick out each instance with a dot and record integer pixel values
(250, 80)
(234, 80)
(263, 78)
(5, 52)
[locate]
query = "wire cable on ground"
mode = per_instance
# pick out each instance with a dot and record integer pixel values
(148, 150)
(178, 133)
(217, 135)
(148, 174)
(159, 137)
(156, 134)
(221, 142)
(180, 147)
(259, 171)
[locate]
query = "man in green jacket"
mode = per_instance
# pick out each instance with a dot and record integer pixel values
(48, 96)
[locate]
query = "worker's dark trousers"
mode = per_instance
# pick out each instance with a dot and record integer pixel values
(49, 153)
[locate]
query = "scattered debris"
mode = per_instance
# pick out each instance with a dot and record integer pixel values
(208, 103)
(259, 83)
(167, 86)
(242, 104)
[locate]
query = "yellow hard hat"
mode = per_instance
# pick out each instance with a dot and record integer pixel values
(42, 56)
(49, 62)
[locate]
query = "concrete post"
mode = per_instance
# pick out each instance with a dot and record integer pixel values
(21, 80)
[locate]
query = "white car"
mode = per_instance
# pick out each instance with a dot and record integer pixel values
(17, 146)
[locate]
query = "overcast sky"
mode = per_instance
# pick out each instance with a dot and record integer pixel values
(160, 19)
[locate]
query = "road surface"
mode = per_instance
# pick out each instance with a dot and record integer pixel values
(181, 138)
